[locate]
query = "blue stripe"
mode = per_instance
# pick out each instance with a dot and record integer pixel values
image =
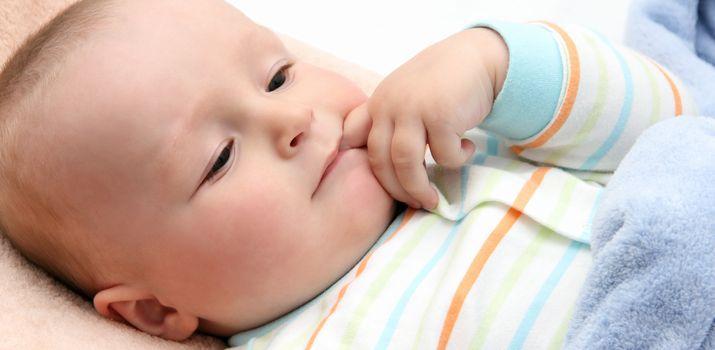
(552, 281)
(586, 233)
(538, 303)
(399, 310)
(492, 150)
(492, 145)
(479, 159)
(596, 157)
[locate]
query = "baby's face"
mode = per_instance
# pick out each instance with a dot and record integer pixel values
(206, 157)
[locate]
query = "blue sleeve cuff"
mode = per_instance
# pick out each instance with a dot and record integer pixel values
(532, 88)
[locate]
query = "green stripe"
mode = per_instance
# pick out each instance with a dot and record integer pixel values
(469, 220)
(377, 286)
(512, 277)
(598, 177)
(654, 89)
(601, 98)
(261, 342)
(490, 183)
(557, 341)
(519, 267)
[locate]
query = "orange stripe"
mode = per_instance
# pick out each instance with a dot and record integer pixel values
(674, 88)
(569, 97)
(408, 215)
(485, 252)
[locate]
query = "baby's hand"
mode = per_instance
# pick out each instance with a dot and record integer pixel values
(432, 100)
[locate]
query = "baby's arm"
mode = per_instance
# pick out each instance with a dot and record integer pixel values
(570, 98)
(576, 100)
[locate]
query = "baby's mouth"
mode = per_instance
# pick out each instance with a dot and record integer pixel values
(332, 160)
(327, 167)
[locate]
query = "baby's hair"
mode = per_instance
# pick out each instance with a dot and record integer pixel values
(31, 217)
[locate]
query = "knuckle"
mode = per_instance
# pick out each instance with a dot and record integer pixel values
(439, 112)
(402, 163)
(377, 164)
(406, 152)
(403, 154)
(434, 119)
(373, 143)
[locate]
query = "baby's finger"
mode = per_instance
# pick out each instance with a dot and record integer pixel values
(378, 148)
(356, 128)
(408, 154)
(447, 147)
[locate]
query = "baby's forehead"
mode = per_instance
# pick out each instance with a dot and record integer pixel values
(146, 55)
(146, 30)
(179, 16)
(161, 61)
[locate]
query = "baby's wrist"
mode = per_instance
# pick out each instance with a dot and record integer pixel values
(493, 52)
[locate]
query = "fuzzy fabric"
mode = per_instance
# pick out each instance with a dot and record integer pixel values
(652, 285)
(679, 34)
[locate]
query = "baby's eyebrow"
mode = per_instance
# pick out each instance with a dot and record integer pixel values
(175, 149)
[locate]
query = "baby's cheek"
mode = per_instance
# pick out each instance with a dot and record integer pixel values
(353, 95)
(258, 233)
(338, 92)
(369, 206)
(267, 215)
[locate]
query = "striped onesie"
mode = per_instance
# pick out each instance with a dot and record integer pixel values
(498, 264)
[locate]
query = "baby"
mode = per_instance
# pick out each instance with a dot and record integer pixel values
(187, 166)
(173, 161)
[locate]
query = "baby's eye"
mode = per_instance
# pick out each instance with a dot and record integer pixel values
(220, 162)
(278, 79)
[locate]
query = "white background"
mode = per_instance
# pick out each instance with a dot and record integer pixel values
(381, 34)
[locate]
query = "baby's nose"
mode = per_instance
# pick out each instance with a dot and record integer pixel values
(290, 126)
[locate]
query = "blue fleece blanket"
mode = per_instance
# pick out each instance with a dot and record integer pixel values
(652, 285)
(679, 34)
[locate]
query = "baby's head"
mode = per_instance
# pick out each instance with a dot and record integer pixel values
(172, 160)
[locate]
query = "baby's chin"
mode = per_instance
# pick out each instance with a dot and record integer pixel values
(352, 191)
(362, 185)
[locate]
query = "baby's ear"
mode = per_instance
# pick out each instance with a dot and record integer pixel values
(143, 311)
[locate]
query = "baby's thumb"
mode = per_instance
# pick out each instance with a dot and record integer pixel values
(356, 128)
